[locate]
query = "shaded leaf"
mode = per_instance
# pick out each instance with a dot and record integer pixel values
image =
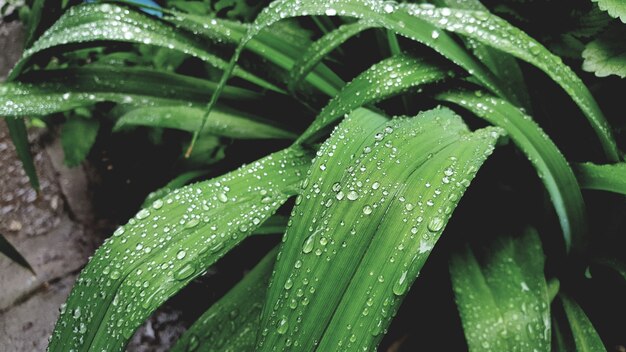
(77, 137)
(168, 244)
(606, 55)
(585, 335)
(19, 136)
(222, 121)
(231, 324)
(615, 8)
(379, 192)
(503, 300)
(610, 177)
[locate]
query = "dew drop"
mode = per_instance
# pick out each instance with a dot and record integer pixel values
(142, 214)
(400, 286)
(181, 254)
(435, 224)
(282, 326)
(352, 195)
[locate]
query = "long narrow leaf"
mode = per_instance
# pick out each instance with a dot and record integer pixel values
(503, 300)
(554, 171)
(49, 91)
(497, 33)
(97, 22)
(378, 197)
(585, 335)
(387, 78)
(19, 136)
(7, 249)
(610, 178)
(222, 122)
(231, 324)
(167, 245)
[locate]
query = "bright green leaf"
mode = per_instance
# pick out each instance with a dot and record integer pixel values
(585, 335)
(615, 8)
(610, 177)
(606, 55)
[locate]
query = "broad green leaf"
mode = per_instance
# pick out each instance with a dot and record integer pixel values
(168, 244)
(50, 91)
(499, 34)
(503, 299)
(585, 335)
(552, 167)
(175, 183)
(610, 177)
(615, 8)
(96, 22)
(501, 64)
(606, 55)
(19, 136)
(223, 122)
(231, 324)
(275, 46)
(387, 78)
(7, 249)
(322, 47)
(379, 194)
(77, 138)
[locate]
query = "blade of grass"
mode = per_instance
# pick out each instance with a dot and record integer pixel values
(503, 300)
(499, 34)
(585, 335)
(611, 178)
(167, 245)
(222, 122)
(175, 183)
(372, 178)
(552, 167)
(230, 325)
(12, 253)
(19, 136)
(49, 91)
(387, 78)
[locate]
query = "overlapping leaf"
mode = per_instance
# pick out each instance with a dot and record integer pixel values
(585, 335)
(378, 197)
(615, 8)
(231, 324)
(503, 300)
(552, 167)
(168, 244)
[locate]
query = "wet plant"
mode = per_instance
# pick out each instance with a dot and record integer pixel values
(370, 170)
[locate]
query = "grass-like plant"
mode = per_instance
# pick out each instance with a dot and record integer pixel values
(373, 194)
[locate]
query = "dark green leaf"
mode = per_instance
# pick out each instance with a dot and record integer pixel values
(17, 130)
(503, 300)
(77, 137)
(585, 335)
(7, 249)
(610, 177)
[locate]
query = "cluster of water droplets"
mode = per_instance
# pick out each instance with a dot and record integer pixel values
(169, 243)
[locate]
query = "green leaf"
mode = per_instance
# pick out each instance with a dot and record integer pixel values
(610, 177)
(231, 324)
(387, 78)
(606, 55)
(615, 8)
(322, 47)
(585, 335)
(96, 22)
(7, 249)
(552, 167)
(49, 91)
(499, 34)
(222, 122)
(612, 263)
(167, 245)
(175, 183)
(34, 19)
(77, 137)
(378, 197)
(19, 136)
(503, 300)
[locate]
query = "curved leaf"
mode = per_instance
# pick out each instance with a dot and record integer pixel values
(503, 300)
(497, 33)
(222, 122)
(167, 245)
(552, 167)
(322, 47)
(49, 91)
(610, 177)
(606, 55)
(585, 335)
(377, 199)
(96, 22)
(387, 78)
(231, 324)
(615, 8)
(19, 137)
